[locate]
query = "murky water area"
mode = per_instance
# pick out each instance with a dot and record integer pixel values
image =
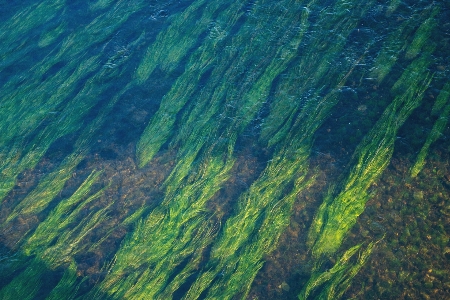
(224, 149)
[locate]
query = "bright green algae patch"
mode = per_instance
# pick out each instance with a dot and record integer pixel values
(235, 75)
(335, 281)
(338, 214)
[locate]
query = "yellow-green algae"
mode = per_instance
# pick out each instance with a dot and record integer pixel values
(239, 58)
(442, 104)
(335, 281)
(174, 198)
(396, 44)
(51, 99)
(339, 210)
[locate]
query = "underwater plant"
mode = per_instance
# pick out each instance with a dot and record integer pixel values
(173, 143)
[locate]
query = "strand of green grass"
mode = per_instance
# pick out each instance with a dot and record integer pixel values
(177, 178)
(422, 34)
(62, 234)
(47, 189)
(262, 215)
(64, 214)
(55, 229)
(198, 120)
(52, 183)
(236, 259)
(68, 285)
(396, 43)
(71, 242)
(338, 213)
(68, 244)
(173, 49)
(392, 6)
(99, 4)
(443, 104)
(21, 156)
(20, 25)
(50, 105)
(315, 71)
(184, 32)
(173, 232)
(332, 283)
(73, 47)
(68, 237)
(263, 212)
(206, 119)
(25, 285)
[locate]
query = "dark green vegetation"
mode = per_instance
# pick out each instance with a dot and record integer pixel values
(224, 150)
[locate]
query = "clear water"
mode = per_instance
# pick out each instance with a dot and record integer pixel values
(224, 149)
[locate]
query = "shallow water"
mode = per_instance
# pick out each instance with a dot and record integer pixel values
(224, 150)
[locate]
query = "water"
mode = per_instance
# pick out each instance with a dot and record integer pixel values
(224, 149)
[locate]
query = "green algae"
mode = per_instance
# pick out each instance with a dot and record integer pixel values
(422, 35)
(338, 213)
(234, 65)
(442, 105)
(61, 217)
(334, 282)
(26, 285)
(67, 286)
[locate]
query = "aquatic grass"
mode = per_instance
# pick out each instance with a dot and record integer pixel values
(312, 68)
(51, 105)
(70, 242)
(99, 4)
(43, 107)
(128, 221)
(198, 122)
(63, 215)
(284, 56)
(236, 259)
(20, 25)
(422, 35)
(64, 119)
(55, 240)
(51, 36)
(442, 104)
(392, 7)
(185, 32)
(25, 285)
(262, 215)
(52, 183)
(332, 283)
(172, 233)
(192, 145)
(217, 91)
(67, 286)
(194, 142)
(59, 253)
(47, 189)
(74, 45)
(441, 100)
(395, 44)
(338, 212)
(161, 125)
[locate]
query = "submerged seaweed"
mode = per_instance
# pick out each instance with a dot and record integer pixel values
(182, 149)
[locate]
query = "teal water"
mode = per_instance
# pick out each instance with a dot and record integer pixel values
(224, 149)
